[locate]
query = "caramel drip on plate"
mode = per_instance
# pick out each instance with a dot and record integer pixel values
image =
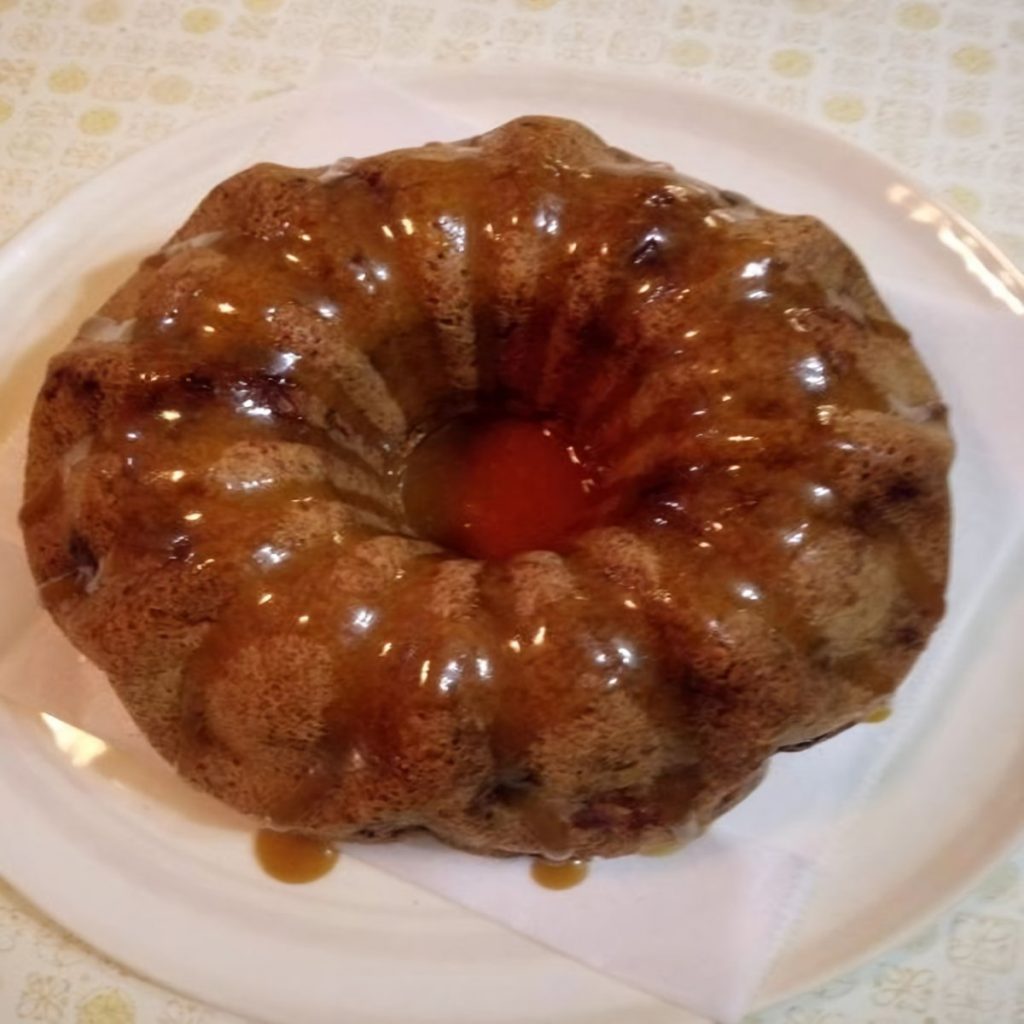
(559, 874)
(291, 858)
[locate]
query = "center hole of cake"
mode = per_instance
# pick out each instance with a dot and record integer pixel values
(492, 487)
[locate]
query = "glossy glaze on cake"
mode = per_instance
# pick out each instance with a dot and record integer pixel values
(214, 494)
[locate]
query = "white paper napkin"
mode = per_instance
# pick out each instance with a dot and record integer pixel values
(699, 927)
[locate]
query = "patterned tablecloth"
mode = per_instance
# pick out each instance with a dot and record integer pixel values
(936, 86)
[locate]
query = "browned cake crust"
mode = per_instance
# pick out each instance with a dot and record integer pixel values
(213, 503)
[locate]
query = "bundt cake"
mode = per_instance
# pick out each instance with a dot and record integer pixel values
(516, 489)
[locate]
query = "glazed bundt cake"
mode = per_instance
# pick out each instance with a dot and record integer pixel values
(516, 489)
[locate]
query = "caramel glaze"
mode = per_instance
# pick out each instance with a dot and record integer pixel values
(292, 858)
(559, 875)
(764, 548)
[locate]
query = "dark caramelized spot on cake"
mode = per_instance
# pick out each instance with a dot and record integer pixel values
(903, 490)
(90, 388)
(82, 555)
(510, 787)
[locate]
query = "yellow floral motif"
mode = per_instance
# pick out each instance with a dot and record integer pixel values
(200, 20)
(845, 108)
(537, 5)
(108, 1007)
(262, 6)
(102, 12)
(68, 78)
(792, 63)
(975, 60)
(918, 16)
(964, 199)
(964, 123)
(99, 121)
(43, 998)
(6, 109)
(690, 53)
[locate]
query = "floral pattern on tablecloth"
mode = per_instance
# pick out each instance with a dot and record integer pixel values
(936, 85)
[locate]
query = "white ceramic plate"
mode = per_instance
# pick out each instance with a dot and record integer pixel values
(102, 844)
